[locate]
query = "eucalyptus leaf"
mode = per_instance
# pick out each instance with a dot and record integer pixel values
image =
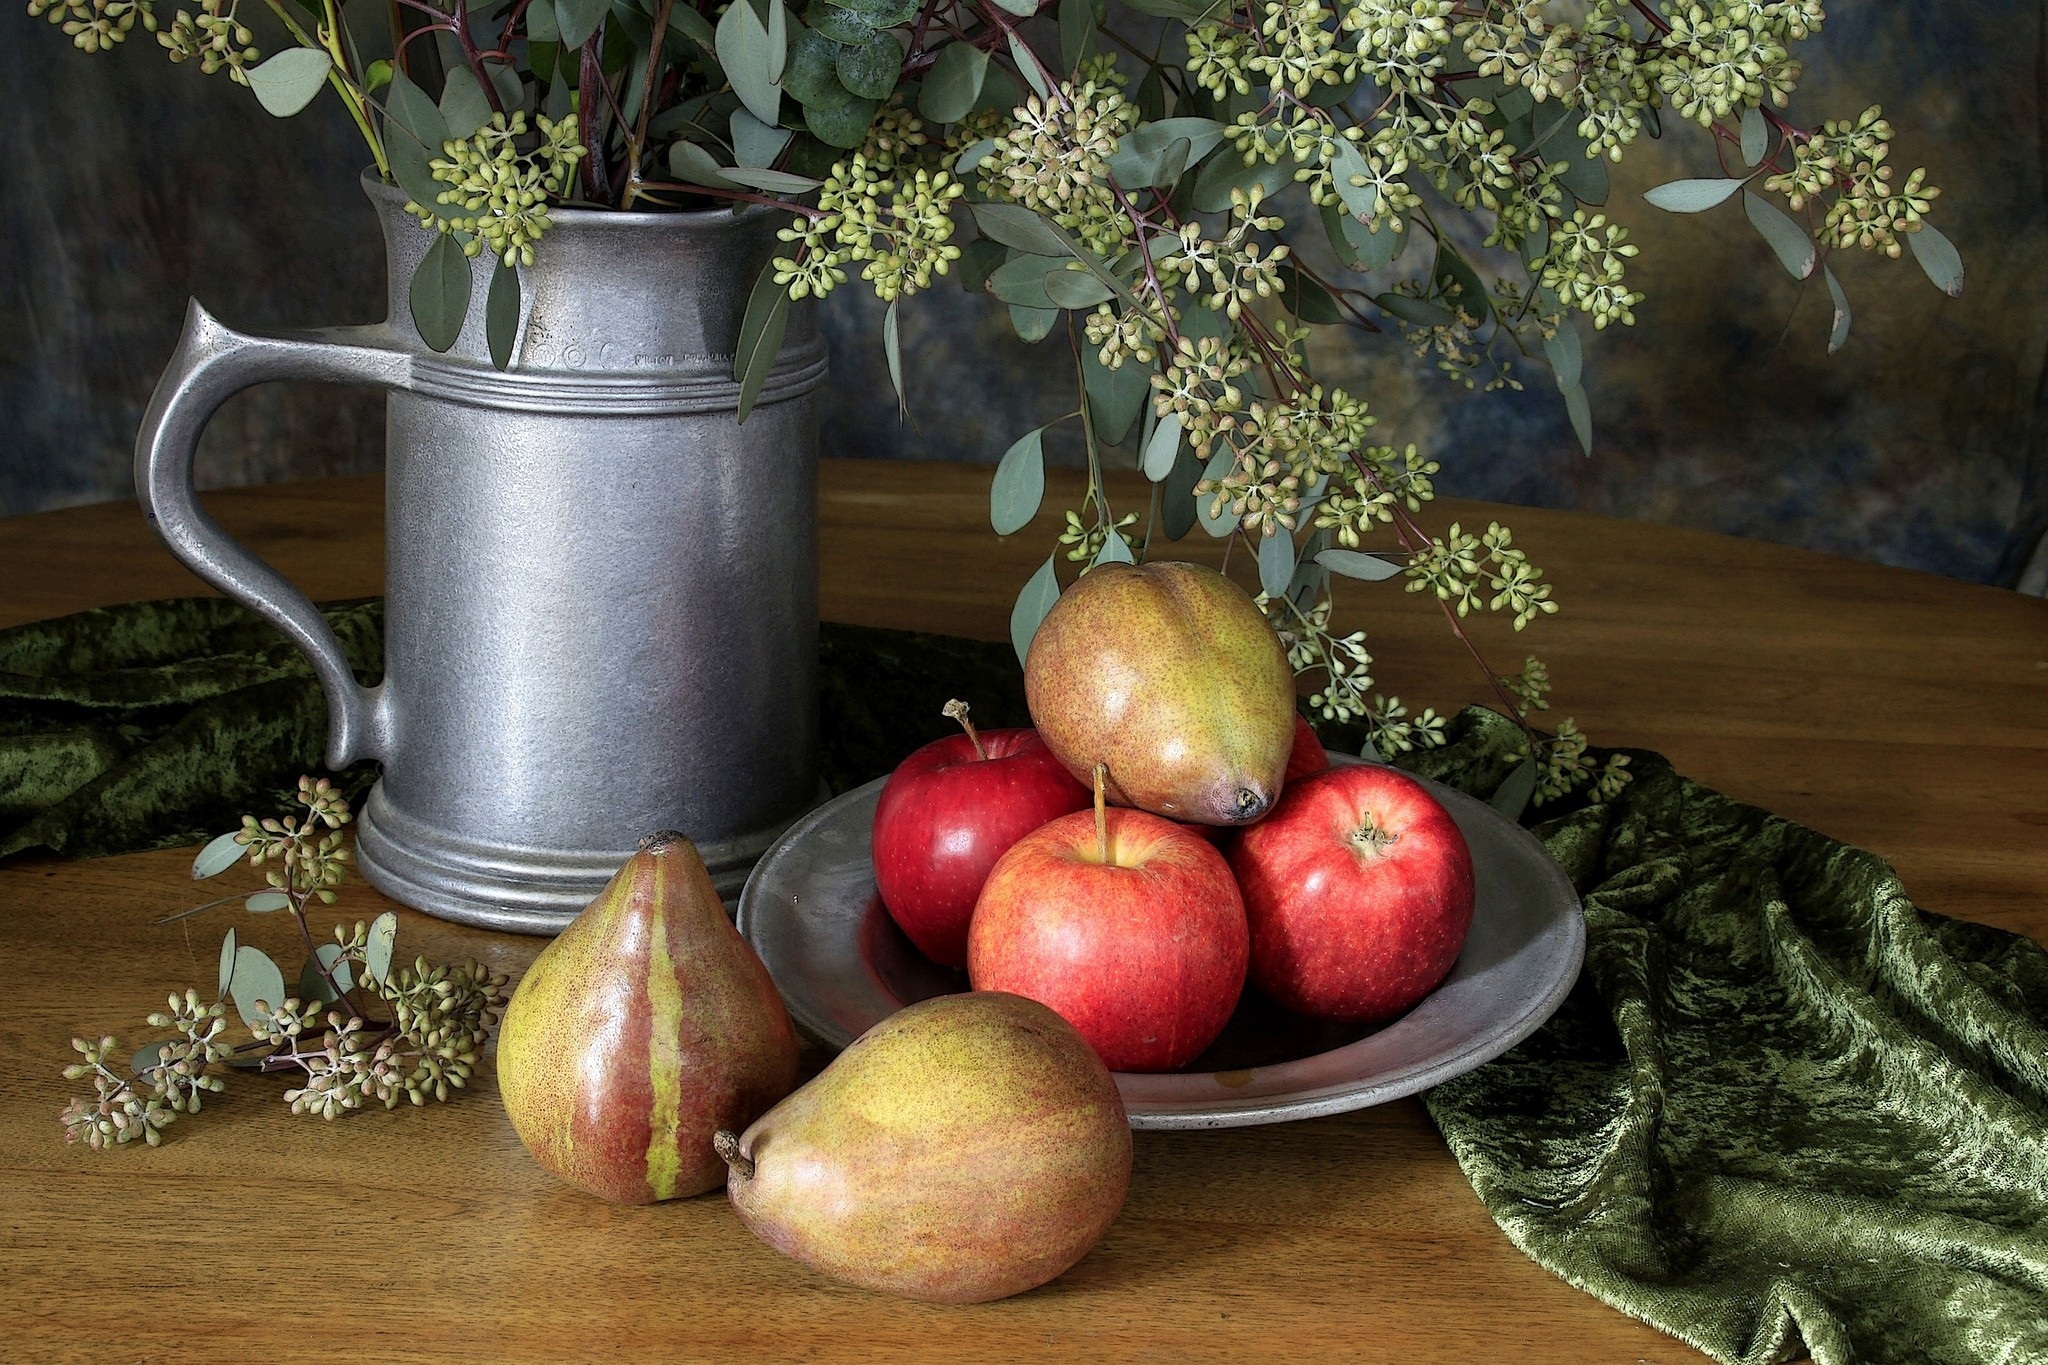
(1357, 564)
(692, 164)
(1420, 312)
(1839, 333)
(540, 23)
(845, 125)
(1028, 65)
(1183, 10)
(769, 182)
(1276, 563)
(439, 295)
(1139, 161)
(1692, 196)
(1939, 258)
(695, 27)
(464, 107)
(1077, 32)
(1032, 324)
(1075, 288)
(313, 983)
(287, 82)
(1223, 521)
(1041, 590)
(1357, 246)
(1162, 447)
(256, 979)
(1177, 505)
(811, 76)
(1581, 414)
(778, 40)
(267, 902)
(382, 937)
(1022, 8)
(221, 853)
(1016, 226)
(501, 314)
(1114, 549)
(1583, 177)
(1173, 163)
(750, 62)
(975, 154)
(1459, 283)
(1511, 798)
(755, 143)
(1018, 488)
(413, 133)
(1565, 355)
(883, 13)
(578, 19)
(1154, 101)
(1223, 174)
(227, 964)
(761, 332)
(1310, 577)
(839, 24)
(869, 69)
(376, 75)
(1362, 200)
(953, 84)
(892, 352)
(1756, 136)
(1795, 250)
(505, 79)
(980, 259)
(1306, 299)
(1021, 281)
(1115, 396)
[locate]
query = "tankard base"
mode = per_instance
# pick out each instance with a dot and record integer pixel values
(517, 890)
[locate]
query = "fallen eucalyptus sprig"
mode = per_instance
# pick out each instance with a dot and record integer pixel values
(439, 1016)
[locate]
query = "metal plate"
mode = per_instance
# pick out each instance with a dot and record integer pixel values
(811, 910)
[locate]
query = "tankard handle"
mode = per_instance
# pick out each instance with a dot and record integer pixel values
(212, 364)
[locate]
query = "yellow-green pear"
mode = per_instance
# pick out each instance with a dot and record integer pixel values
(966, 1148)
(1169, 675)
(647, 1026)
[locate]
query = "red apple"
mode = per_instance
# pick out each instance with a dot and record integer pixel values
(1307, 756)
(947, 813)
(1126, 924)
(1358, 889)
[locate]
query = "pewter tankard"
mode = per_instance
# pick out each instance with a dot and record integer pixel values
(601, 595)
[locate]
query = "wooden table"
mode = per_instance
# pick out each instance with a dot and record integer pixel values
(1898, 711)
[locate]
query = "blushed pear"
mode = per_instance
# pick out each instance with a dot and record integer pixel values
(647, 1026)
(966, 1148)
(1170, 676)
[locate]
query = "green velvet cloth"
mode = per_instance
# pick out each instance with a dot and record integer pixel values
(1782, 1107)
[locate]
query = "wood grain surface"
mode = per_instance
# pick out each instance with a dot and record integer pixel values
(1901, 712)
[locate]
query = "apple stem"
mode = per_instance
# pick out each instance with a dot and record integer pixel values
(1102, 811)
(727, 1144)
(957, 710)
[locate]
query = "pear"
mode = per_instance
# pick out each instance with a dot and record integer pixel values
(641, 1031)
(966, 1148)
(1169, 675)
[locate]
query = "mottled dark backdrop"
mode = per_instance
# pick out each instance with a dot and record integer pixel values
(135, 184)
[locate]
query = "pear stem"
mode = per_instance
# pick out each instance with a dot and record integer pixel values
(957, 710)
(1101, 812)
(727, 1144)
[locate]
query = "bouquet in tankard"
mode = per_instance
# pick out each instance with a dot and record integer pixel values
(1179, 190)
